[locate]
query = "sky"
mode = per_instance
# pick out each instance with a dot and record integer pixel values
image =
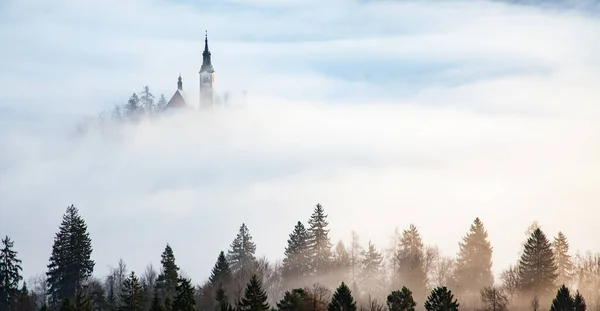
(388, 113)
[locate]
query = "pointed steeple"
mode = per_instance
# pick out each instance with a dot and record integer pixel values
(179, 83)
(206, 62)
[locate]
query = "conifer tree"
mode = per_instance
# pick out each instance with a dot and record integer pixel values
(371, 269)
(10, 273)
(168, 304)
(147, 99)
(296, 260)
(44, 308)
(221, 273)
(537, 269)
(341, 262)
(156, 304)
(319, 243)
(474, 262)
(241, 256)
(82, 302)
(222, 300)
(168, 278)
(564, 264)
(441, 299)
(342, 300)
(162, 102)
(255, 298)
(411, 265)
(355, 255)
(184, 301)
(70, 263)
(563, 300)
(132, 109)
(579, 302)
(401, 300)
(131, 297)
(23, 301)
(296, 300)
(67, 305)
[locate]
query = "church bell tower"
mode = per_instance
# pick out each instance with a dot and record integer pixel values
(207, 78)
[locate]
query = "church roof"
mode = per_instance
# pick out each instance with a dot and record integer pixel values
(206, 61)
(178, 99)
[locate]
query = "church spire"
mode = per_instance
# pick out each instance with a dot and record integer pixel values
(179, 83)
(206, 62)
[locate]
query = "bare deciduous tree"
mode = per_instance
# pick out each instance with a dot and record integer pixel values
(494, 299)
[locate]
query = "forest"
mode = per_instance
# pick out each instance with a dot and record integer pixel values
(315, 274)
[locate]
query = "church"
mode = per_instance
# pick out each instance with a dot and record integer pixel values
(207, 81)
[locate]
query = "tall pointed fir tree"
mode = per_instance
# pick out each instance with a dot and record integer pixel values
(411, 263)
(474, 263)
(70, 263)
(169, 275)
(184, 301)
(220, 276)
(579, 303)
(295, 300)
(537, 269)
(370, 272)
(132, 296)
(342, 262)
(147, 100)
(319, 243)
(255, 298)
(162, 102)
(241, 256)
(10, 273)
(564, 263)
(222, 301)
(296, 261)
(563, 300)
(156, 304)
(342, 299)
(441, 299)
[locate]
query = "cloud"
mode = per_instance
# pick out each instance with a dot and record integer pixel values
(387, 113)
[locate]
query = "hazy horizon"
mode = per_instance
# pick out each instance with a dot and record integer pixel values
(386, 113)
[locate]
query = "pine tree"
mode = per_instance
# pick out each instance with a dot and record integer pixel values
(537, 269)
(22, 301)
(132, 109)
(371, 269)
(131, 297)
(222, 300)
(82, 302)
(241, 256)
(44, 308)
(168, 278)
(147, 99)
(579, 302)
(319, 243)
(255, 298)
(410, 258)
(474, 263)
(156, 304)
(493, 299)
(342, 300)
(563, 300)
(564, 264)
(67, 305)
(401, 300)
(441, 299)
(184, 301)
(221, 273)
(296, 300)
(70, 263)
(10, 273)
(341, 262)
(162, 103)
(168, 304)
(296, 260)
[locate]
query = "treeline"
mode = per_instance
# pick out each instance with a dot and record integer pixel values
(406, 277)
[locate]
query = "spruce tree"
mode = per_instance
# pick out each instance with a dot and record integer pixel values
(319, 243)
(371, 269)
(564, 263)
(168, 278)
(10, 273)
(23, 301)
(70, 263)
(255, 298)
(342, 262)
(296, 300)
(563, 300)
(579, 302)
(222, 300)
(342, 300)
(184, 301)
(67, 305)
(296, 260)
(474, 261)
(401, 300)
(82, 302)
(221, 273)
(156, 304)
(411, 263)
(537, 269)
(241, 256)
(147, 99)
(441, 299)
(131, 297)
(132, 109)
(162, 102)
